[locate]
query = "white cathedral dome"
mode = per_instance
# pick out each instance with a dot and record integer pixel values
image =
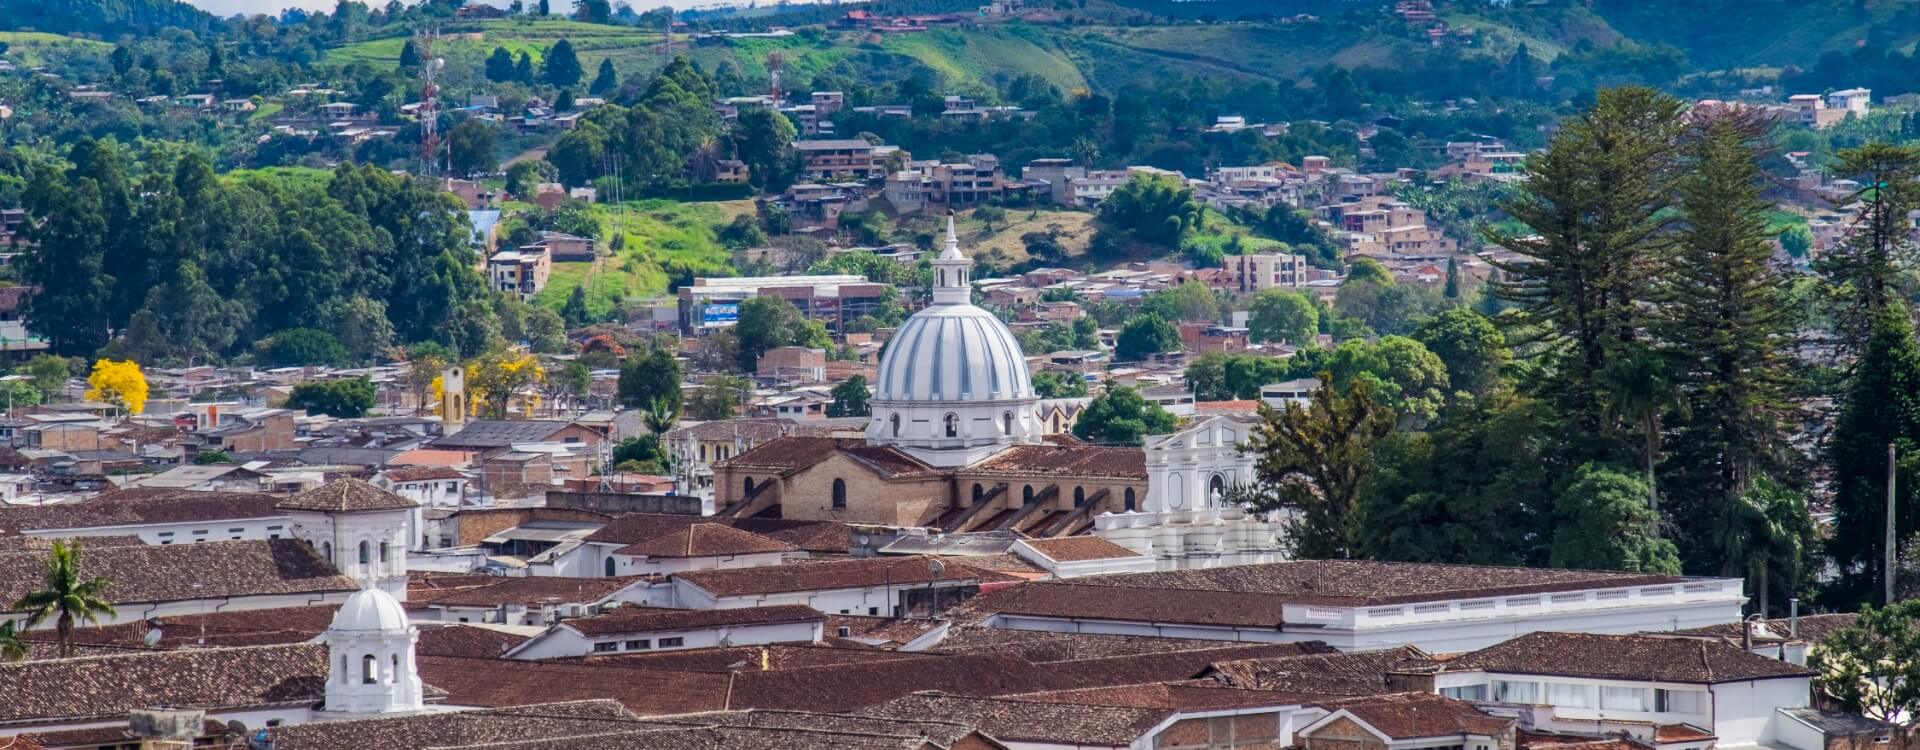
(370, 611)
(953, 353)
(953, 385)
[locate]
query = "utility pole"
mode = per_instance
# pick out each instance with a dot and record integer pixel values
(1888, 576)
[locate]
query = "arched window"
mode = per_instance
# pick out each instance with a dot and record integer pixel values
(369, 670)
(896, 425)
(1079, 497)
(609, 567)
(978, 492)
(953, 425)
(1026, 495)
(1216, 488)
(1127, 505)
(366, 552)
(749, 486)
(394, 676)
(1006, 423)
(839, 493)
(326, 551)
(385, 553)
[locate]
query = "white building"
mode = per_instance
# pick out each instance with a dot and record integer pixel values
(1185, 521)
(158, 517)
(1632, 683)
(953, 387)
(362, 529)
(370, 658)
(1360, 605)
(648, 629)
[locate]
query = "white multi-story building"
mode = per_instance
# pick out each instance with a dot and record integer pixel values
(362, 529)
(1185, 521)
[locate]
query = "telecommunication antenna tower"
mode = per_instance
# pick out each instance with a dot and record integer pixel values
(775, 62)
(429, 99)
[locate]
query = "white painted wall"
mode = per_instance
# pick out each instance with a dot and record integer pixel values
(341, 535)
(872, 600)
(275, 527)
(136, 612)
(561, 641)
(628, 565)
(1745, 713)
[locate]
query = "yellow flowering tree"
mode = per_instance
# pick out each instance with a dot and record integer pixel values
(495, 377)
(118, 383)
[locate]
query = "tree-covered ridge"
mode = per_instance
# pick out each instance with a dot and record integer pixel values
(185, 265)
(107, 17)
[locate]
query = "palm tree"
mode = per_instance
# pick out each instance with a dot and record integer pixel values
(1768, 529)
(1640, 391)
(67, 596)
(660, 416)
(12, 646)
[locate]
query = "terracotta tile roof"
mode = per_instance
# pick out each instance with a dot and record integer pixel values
(534, 591)
(1007, 563)
(1079, 599)
(245, 627)
(754, 431)
(1038, 646)
(1354, 673)
(704, 540)
(651, 619)
(1546, 741)
(780, 656)
(105, 688)
(1076, 460)
(847, 687)
(1188, 695)
(942, 733)
(508, 682)
(1155, 667)
(1406, 716)
(138, 507)
(1226, 407)
(810, 536)
(422, 474)
(710, 738)
(1812, 629)
(835, 574)
(499, 433)
(1369, 583)
(868, 632)
(178, 572)
(1076, 548)
(347, 495)
(11, 543)
(540, 721)
(466, 640)
(1626, 657)
(1680, 733)
(795, 452)
(1011, 720)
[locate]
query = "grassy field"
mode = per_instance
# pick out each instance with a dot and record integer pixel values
(31, 48)
(593, 42)
(976, 58)
(1003, 245)
(655, 234)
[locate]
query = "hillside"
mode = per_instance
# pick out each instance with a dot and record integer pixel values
(101, 17)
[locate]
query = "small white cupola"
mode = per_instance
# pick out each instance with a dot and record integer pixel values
(370, 652)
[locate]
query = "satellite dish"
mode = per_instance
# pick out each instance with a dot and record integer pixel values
(153, 636)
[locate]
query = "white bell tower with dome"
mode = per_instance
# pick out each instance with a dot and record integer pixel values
(953, 386)
(370, 653)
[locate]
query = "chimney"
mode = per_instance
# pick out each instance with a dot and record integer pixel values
(1793, 617)
(1746, 635)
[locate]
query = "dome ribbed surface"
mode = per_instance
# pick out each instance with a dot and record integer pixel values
(371, 610)
(953, 353)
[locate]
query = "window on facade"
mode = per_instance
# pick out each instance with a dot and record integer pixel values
(1026, 495)
(749, 485)
(366, 553)
(1006, 423)
(703, 452)
(978, 492)
(369, 670)
(1680, 701)
(393, 675)
(639, 645)
(1216, 487)
(601, 648)
(1563, 695)
(326, 550)
(672, 642)
(1127, 503)
(839, 493)
(953, 425)
(385, 552)
(1466, 692)
(1623, 698)
(1079, 497)
(1516, 692)
(896, 425)
(609, 567)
